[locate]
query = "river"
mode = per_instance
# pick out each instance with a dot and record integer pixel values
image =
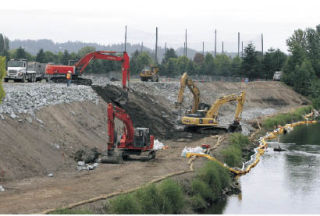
(285, 182)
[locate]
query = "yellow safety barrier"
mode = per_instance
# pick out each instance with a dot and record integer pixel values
(259, 150)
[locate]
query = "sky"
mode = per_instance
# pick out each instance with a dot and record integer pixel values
(104, 21)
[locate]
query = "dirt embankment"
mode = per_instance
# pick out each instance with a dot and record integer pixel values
(31, 150)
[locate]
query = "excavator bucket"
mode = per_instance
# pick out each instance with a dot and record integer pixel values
(114, 157)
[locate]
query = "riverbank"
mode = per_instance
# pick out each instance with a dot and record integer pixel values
(196, 192)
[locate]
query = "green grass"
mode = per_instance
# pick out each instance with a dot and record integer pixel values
(72, 211)
(284, 118)
(232, 155)
(164, 198)
(208, 185)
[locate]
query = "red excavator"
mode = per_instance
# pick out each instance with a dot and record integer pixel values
(133, 141)
(57, 73)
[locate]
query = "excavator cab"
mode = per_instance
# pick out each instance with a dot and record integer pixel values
(141, 137)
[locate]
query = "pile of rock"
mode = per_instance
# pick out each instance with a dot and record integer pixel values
(29, 97)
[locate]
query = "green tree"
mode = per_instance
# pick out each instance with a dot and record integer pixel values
(65, 57)
(2, 48)
(51, 57)
(21, 53)
(170, 53)
(250, 64)
(85, 50)
(273, 61)
(41, 57)
(208, 66)
(305, 75)
(222, 64)
(236, 66)
(2, 75)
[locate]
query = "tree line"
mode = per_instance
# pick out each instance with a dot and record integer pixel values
(252, 65)
(302, 69)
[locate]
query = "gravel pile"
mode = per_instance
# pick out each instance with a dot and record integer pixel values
(29, 97)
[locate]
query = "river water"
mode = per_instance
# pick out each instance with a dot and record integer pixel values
(285, 182)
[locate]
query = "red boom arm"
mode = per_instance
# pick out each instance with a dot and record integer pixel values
(106, 55)
(128, 134)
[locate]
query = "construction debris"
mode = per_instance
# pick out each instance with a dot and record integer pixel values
(1, 188)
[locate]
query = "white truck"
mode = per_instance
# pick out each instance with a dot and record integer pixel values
(24, 71)
(277, 76)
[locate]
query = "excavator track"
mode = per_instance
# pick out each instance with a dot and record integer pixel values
(209, 130)
(77, 81)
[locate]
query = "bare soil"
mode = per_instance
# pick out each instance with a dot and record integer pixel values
(30, 151)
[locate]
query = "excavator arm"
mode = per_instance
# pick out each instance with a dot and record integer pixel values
(186, 81)
(106, 55)
(120, 114)
(214, 110)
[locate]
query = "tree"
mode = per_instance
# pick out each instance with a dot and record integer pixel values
(65, 57)
(222, 65)
(85, 50)
(21, 53)
(170, 53)
(236, 66)
(51, 57)
(2, 75)
(198, 58)
(208, 66)
(273, 61)
(304, 74)
(250, 64)
(2, 48)
(41, 57)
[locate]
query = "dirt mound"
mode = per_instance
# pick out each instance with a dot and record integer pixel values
(144, 110)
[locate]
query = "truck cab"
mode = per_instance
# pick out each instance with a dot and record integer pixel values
(18, 70)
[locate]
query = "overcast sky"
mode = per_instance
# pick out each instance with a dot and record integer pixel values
(103, 21)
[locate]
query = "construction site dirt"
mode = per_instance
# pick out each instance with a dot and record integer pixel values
(31, 150)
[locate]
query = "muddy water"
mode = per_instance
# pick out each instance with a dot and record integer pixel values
(283, 182)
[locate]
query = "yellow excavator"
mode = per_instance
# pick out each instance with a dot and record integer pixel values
(150, 73)
(206, 122)
(187, 81)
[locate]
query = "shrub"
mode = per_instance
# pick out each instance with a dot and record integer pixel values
(232, 155)
(284, 118)
(202, 189)
(125, 204)
(150, 199)
(72, 211)
(239, 139)
(197, 202)
(171, 196)
(165, 198)
(2, 75)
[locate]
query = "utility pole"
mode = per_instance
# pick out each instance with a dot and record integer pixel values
(241, 48)
(165, 47)
(215, 42)
(222, 48)
(262, 44)
(203, 48)
(184, 48)
(141, 46)
(125, 40)
(156, 50)
(186, 43)
(238, 44)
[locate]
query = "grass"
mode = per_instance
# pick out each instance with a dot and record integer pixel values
(232, 155)
(284, 118)
(72, 211)
(164, 198)
(208, 185)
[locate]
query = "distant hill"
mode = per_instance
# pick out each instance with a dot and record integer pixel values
(33, 47)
